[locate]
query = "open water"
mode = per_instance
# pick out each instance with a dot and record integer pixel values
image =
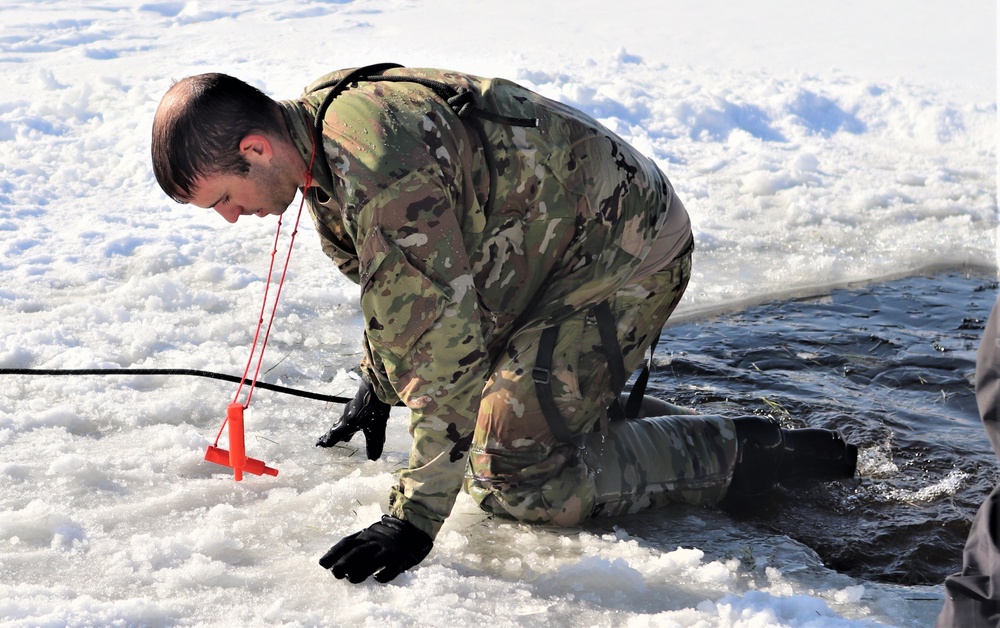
(888, 364)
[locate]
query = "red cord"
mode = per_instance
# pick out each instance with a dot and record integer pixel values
(263, 306)
(274, 305)
(274, 309)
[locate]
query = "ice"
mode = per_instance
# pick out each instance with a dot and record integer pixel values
(814, 146)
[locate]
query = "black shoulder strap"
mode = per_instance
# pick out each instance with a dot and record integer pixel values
(364, 72)
(461, 100)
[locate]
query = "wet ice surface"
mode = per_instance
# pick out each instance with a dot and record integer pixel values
(890, 365)
(110, 514)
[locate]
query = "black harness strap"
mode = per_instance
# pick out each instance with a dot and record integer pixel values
(338, 88)
(541, 374)
(607, 328)
(461, 101)
(634, 402)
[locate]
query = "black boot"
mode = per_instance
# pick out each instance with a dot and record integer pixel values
(817, 454)
(766, 455)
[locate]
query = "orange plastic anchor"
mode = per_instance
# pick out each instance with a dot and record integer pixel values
(236, 457)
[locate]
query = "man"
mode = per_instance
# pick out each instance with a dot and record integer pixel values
(516, 259)
(972, 597)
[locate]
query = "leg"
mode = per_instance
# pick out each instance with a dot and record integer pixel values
(973, 595)
(971, 598)
(650, 462)
(518, 468)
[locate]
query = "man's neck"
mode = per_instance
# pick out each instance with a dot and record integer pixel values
(299, 123)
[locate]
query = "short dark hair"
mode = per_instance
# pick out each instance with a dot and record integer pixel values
(198, 128)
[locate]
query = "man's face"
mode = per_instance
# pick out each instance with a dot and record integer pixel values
(263, 192)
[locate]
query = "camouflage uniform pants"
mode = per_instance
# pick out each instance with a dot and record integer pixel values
(517, 467)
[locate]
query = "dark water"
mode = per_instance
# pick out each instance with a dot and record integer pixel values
(890, 365)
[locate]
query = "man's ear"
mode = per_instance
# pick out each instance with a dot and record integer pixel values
(256, 148)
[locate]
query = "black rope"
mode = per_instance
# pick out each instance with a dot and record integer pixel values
(194, 372)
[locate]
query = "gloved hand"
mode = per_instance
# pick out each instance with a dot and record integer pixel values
(366, 412)
(390, 547)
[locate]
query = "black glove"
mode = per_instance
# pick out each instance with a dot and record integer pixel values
(390, 545)
(366, 412)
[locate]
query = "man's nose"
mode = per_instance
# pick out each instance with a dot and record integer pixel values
(230, 212)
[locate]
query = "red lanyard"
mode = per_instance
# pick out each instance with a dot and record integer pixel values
(236, 457)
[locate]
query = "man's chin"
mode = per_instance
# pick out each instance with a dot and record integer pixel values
(263, 213)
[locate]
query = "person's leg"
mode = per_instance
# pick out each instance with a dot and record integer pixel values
(973, 595)
(658, 457)
(519, 468)
(653, 461)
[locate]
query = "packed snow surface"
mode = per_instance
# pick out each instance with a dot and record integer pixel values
(814, 145)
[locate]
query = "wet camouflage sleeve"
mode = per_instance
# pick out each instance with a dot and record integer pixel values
(422, 321)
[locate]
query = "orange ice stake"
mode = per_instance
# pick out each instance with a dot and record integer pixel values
(237, 442)
(236, 457)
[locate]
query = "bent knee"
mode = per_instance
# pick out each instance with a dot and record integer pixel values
(536, 509)
(560, 501)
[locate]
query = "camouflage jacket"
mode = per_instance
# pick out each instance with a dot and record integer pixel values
(446, 276)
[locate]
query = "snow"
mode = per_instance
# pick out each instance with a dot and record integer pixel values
(814, 145)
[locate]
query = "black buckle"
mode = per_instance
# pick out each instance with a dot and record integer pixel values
(540, 375)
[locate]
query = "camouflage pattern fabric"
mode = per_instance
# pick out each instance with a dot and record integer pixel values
(655, 461)
(449, 289)
(519, 469)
